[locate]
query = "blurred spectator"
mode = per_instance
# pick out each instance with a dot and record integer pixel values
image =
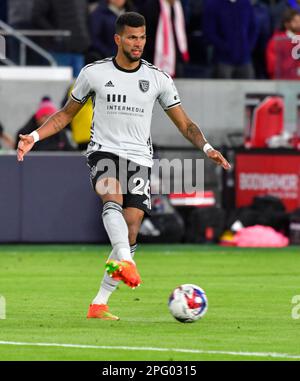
(69, 15)
(20, 13)
(57, 142)
(6, 139)
(200, 52)
(263, 21)
(186, 6)
(93, 4)
(295, 4)
(20, 17)
(167, 41)
(102, 26)
(3, 10)
(280, 62)
(229, 25)
(278, 9)
(138, 4)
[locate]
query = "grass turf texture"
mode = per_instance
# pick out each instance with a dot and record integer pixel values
(48, 290)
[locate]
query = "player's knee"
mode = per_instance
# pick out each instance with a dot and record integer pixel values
(117, 199)
(111, 207)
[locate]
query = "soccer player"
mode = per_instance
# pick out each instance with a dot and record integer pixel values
(124, 89)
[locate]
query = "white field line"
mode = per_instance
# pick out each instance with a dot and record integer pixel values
(151, 349)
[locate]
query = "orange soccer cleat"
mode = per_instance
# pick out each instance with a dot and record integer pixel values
(100, 311)
(125, 271)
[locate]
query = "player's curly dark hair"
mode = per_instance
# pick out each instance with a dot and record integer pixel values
(132, 19)
(288, 16)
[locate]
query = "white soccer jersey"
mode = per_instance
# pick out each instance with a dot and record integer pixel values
(123, 103)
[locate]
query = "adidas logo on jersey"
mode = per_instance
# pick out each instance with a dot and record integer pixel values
(109, 84)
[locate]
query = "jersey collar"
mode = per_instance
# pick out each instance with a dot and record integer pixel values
(126, 70)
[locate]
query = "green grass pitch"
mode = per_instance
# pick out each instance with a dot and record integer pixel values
(48, 290)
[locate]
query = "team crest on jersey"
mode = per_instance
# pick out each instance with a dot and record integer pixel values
(144, 85)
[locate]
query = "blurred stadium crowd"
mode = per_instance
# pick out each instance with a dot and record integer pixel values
(244, 39)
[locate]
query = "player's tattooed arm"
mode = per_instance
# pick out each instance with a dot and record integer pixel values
(193, 133)
(187, 127)
(52, 126)
(59, 120)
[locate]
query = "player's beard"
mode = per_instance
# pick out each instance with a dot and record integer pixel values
(130, 57)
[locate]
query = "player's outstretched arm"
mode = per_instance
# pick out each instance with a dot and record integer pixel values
(192, 132)
(52, 126)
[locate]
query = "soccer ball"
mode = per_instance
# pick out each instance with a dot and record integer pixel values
(188, 303)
